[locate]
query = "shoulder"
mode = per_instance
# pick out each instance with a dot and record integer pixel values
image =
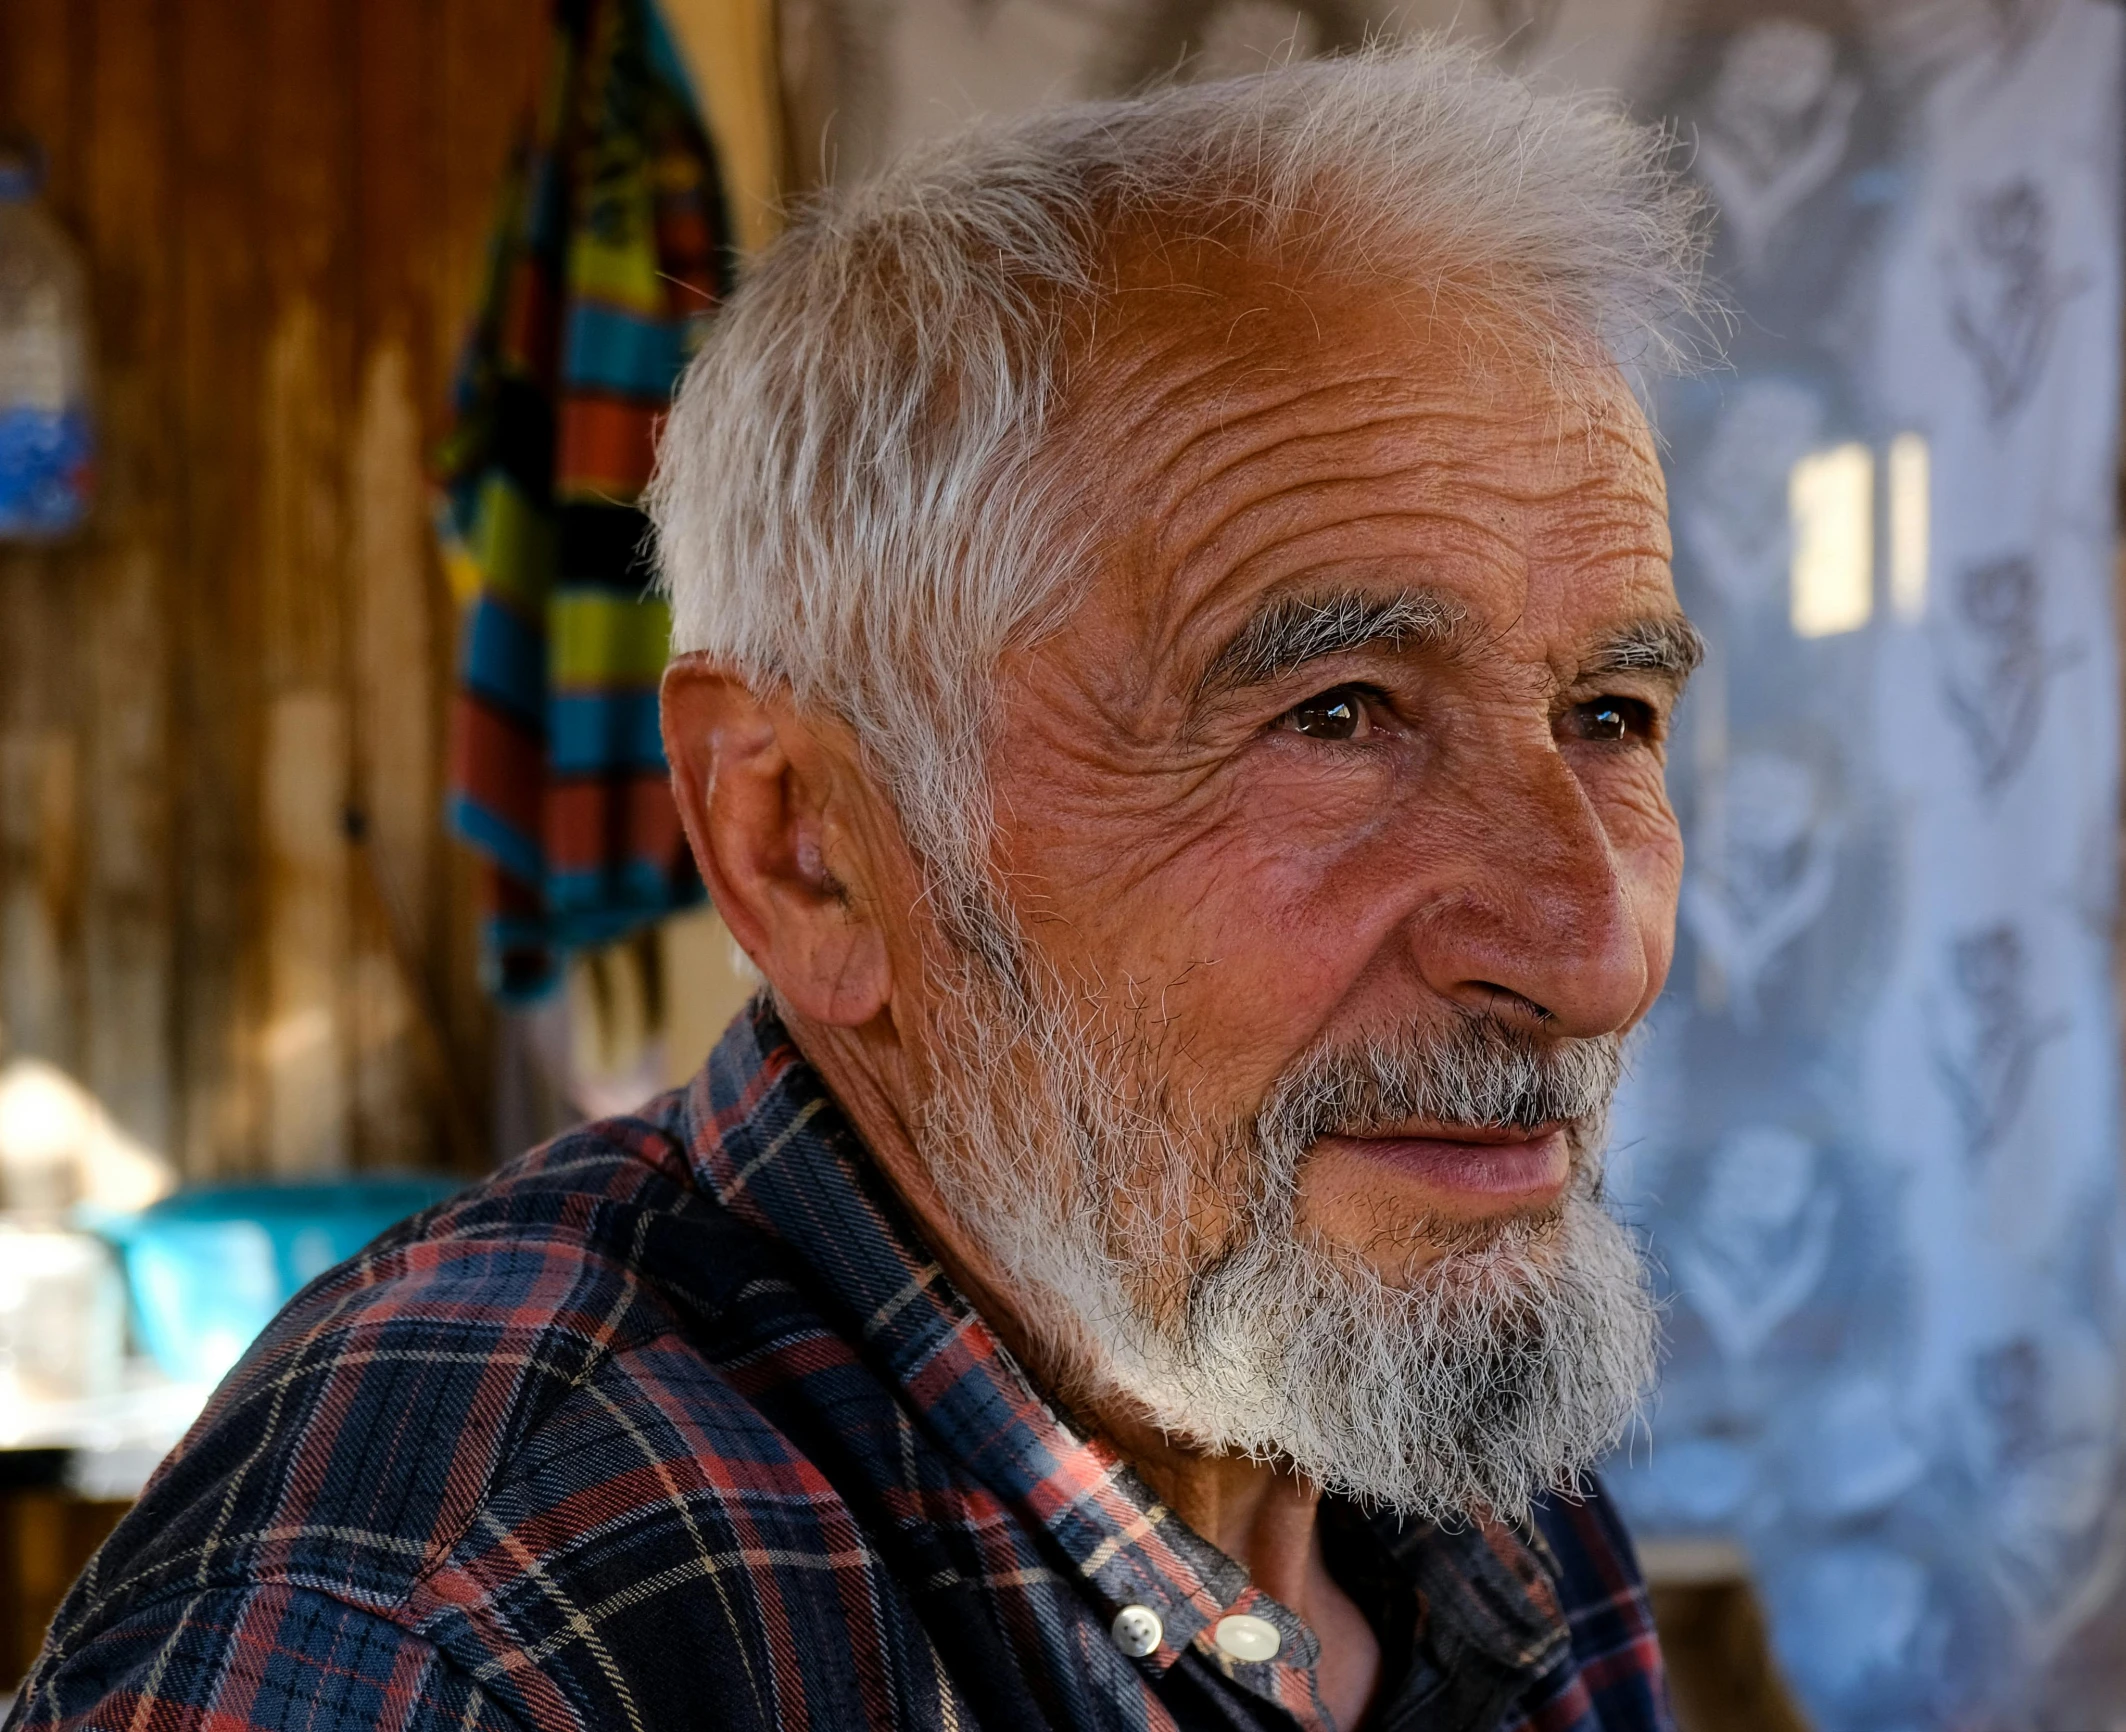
(569, 1435)
(360, 1437)
(695, 1529)
(657, 1542)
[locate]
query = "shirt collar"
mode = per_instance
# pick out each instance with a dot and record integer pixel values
(768, 1141)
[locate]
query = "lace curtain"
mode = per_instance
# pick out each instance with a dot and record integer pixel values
(1874, 1132)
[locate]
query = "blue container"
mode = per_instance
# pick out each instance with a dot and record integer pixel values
(209, 1268)
(47, 448)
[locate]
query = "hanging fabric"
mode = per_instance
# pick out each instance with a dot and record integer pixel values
(610, 249)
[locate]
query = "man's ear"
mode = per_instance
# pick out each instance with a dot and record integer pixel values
(768, 800)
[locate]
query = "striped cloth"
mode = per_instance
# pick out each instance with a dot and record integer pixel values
(610, 249)
(675, 1422)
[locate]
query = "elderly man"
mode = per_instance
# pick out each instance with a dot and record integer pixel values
(1175, 648)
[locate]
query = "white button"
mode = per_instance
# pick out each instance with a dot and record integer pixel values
(1137, 1631)
(1247, 1638)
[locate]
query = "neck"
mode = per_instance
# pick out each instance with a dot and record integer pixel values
(1259, 1513)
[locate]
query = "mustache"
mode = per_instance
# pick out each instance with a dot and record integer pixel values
(1478, 1072)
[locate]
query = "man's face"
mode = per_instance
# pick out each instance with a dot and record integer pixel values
(1346, 736)
(1333, 821)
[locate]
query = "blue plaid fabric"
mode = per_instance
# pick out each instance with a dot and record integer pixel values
(674, 1422)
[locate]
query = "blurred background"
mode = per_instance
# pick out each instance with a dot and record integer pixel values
(335, 864)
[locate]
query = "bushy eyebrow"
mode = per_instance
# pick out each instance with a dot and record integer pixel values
(1667, 646)
(1294, 630)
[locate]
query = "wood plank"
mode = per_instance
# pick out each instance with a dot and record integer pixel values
(219, 312)
(33, 1560)
(40, 77)
(457, 123)
(308, 133)
(125, 200)
(486, 60)
(40, 66)
(396, 673)
(46, 1537)
(40, 832)
(489, 60)
(302, 1043)
(400, 1063)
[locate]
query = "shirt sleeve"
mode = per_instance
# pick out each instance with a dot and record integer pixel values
(270, 1656)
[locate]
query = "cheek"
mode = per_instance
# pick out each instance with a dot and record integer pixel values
(1245, 924)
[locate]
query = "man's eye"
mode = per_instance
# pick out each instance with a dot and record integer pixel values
(1611, 719)
(1337, 714)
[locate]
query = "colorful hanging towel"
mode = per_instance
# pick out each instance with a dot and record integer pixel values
(610, 250)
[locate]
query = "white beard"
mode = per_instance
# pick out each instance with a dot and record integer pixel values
(1506, 1366)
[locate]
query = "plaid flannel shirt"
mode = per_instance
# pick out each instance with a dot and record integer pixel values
(675, 1422)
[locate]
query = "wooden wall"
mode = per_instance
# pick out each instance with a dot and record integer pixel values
(226, 902)
(45, 1539)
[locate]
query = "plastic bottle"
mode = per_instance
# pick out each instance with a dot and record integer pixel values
(47, 442)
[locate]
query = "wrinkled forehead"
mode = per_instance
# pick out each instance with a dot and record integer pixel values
(1230, 421)
(1239, 311)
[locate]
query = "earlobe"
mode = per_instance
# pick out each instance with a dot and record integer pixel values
(761, 793)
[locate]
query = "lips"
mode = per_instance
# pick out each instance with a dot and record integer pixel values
(1474, 1171)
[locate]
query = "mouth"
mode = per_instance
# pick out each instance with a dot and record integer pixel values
(1470, 1170)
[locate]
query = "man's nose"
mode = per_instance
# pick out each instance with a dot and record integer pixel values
(1534, 920)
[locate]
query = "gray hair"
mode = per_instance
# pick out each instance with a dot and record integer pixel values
(851, 499)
